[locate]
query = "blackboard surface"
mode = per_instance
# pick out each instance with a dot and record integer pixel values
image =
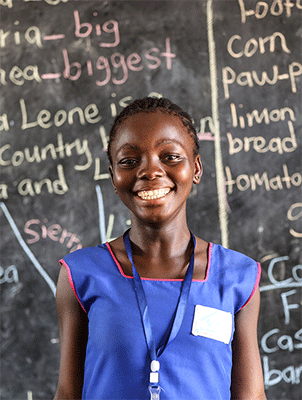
(67, 67)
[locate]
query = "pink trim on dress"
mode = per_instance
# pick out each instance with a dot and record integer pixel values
(255, 286)
(117, 263)
(169, 280)
(62, 262)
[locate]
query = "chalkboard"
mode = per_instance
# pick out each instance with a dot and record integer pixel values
(67, 68)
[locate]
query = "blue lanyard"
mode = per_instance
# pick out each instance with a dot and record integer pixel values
(154, 387)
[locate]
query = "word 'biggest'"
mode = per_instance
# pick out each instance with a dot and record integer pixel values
(118, 64)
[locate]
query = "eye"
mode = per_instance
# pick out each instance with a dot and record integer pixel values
(128, 162)
(172, 157)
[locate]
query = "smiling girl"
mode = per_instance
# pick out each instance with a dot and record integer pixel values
(158, 312)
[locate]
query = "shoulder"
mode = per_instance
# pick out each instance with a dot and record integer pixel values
(88, 269)
(86, 255)
(232, 261)
(237, 271)
(86, 264)
(229, 256)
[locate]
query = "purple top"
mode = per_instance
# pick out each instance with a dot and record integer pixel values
(197, 363)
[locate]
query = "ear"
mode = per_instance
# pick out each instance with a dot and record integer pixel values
(198, 170)
(111, 176)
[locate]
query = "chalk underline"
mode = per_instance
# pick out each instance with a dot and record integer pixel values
(281, 286)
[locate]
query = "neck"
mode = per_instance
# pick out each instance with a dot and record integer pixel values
(160, 240)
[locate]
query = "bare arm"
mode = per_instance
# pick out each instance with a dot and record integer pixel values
(73, 323)
(247, 378)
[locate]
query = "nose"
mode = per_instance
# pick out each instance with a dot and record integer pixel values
(150, 168)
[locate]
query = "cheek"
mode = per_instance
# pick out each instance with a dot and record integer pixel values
(185, 175)
(122, 180)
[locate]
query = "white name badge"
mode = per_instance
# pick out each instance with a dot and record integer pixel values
(212, 323)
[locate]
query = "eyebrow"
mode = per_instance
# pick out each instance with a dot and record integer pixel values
(129, 146)
(169, 141)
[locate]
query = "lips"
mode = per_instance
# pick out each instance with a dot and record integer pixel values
(153, 194)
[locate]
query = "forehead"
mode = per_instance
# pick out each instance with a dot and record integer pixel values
(150, 125)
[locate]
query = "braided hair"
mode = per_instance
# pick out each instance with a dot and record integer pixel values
(149, 105)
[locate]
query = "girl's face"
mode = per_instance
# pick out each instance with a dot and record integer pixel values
(154, 166)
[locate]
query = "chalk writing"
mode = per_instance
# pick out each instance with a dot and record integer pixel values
(26, 249)
(4, 125)
(287, 306)
(252, 46)
(223, 217)
(6, 3)
(116, 68)
(277, 264)
(59, 186)
(105, 236)
(38, 230)
(54, 37)
(32, 35)
(101, 213)
(276, 339)
(50, 2)
(98, 175)
(264, 8)
(290, 374)
(3, 191)
(277, 144)
(71, 76)
(44, 119)
(36, 154)
(19, 76)
(9, 3)
(259, 117)
(284, 279)
(294, 213)
(9, 275)
(252, 78)
(285, 282)
(244, 182)
(273, 341)
(109, 27)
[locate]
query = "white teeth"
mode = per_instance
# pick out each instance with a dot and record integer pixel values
(153, 194)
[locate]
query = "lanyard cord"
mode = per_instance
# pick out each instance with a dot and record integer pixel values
(143, 307)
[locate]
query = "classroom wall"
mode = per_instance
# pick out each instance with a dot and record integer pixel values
(67, 68)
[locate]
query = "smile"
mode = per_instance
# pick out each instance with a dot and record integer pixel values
(153, 194)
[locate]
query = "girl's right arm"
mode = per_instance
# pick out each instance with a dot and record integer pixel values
(73, 323)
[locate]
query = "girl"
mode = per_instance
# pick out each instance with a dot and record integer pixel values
(157, 312)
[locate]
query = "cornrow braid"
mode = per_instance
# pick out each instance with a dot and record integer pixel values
(149, 105)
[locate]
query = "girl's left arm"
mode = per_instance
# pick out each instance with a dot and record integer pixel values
(247, 376)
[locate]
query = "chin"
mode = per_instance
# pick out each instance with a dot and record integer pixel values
(157, 220)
